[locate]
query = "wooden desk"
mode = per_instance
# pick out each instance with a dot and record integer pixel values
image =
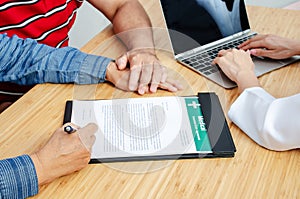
(253, 173)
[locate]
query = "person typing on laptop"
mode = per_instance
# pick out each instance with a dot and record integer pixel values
(267, 127)
(196, 30)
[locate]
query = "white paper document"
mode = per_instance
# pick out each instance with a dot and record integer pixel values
(153, 126)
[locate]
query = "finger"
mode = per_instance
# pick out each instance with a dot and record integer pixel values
(171, 85)
(153, 87)
(216, 60)
(164, 74)
(87, 135)
(167, 86)
(122, 62)
(220, 61)
(254, 44)
(156, 77)
(255, 38)
(234, 50)
(222, 53)
(145, 79)
(252, 52)
(225, 66)
(262, 52)
(176, 84)
(135, 72)
(247, 42)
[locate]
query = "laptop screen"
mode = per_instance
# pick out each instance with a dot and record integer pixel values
(192, 23)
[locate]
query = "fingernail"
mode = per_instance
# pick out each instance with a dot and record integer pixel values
(120, 61)
(142, 91)
(153, 89)
(123, 61)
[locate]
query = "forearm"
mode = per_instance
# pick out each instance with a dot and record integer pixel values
(32, 63)
(133, 26)
(18, 178)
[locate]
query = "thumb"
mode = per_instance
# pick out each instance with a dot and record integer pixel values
(87, 135)
(260, 52)
(122, 62)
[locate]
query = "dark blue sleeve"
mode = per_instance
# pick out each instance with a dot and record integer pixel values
(18, 178)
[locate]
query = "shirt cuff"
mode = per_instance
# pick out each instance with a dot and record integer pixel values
(243, 101)
(249, 110)
(18, 178)
(92, 70)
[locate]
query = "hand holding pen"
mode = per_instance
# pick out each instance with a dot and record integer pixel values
(68, 150)
(87, 141)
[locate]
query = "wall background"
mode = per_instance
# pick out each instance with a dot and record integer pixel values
(89, 21)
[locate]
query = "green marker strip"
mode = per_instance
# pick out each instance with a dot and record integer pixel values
(198, 126)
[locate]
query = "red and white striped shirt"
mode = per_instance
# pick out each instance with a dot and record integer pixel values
(47, 21)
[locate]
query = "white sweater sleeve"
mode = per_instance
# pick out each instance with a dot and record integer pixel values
(272, 123)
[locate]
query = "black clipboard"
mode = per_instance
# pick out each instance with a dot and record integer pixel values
(222, 144)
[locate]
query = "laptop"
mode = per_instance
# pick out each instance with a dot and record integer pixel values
(199, 29)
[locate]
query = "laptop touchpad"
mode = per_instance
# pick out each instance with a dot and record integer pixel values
(265, 65)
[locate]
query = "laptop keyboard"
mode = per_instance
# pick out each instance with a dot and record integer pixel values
(202, 61)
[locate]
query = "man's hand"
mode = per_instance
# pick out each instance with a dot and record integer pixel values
(145, 70)
(64, 153)
(121, 79)
(133, 27)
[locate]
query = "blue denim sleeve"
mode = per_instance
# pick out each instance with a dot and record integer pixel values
(18, 178)
(26, 62)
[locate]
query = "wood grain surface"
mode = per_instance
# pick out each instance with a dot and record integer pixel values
(254, 172)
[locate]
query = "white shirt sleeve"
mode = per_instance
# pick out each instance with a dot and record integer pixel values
(272, 123)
